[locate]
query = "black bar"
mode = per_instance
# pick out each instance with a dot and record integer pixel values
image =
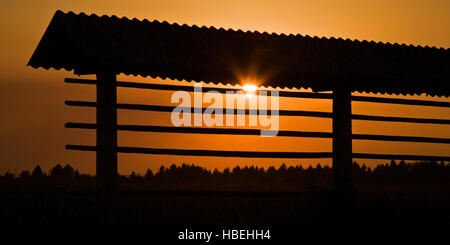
(281, 93)
(342, 141)
(400, 157)
(184, 152)
(281, 113)
(216, 153)
(310, 95)
(81, 147)
(234, 111)
(235, 131)
(200, 130)
(401, 101)
(261, 154)
(400, 138)
(80, 103)
(399, 119)
(81, 125)
(170, 109)
(107, 133)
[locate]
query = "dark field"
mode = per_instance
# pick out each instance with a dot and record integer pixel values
(391, 193)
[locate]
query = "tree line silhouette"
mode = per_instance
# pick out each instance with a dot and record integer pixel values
(395, 192)
(390, 177)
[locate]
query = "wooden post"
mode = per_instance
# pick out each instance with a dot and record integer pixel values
(342, 141)
(106, 143)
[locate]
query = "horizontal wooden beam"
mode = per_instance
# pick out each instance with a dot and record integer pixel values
(81, 147)
(81, 125)
(235, 131)
(190, 88)
(217, 153)
(80, 103)
(310, 95)
(400, 138)
(401, 101)
(193, 110)
(251, 154)
(200, 130)
(281, 113)
(400, 157)
(213, 153)
(399, 119)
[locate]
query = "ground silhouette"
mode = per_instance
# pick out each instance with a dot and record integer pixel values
(393, 192)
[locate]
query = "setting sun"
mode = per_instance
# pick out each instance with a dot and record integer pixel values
(249, 89)
(266, 115)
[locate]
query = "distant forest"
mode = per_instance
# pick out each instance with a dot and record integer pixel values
(396, 192)
(418, 177)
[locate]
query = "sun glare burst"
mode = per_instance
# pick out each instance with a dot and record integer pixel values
(249, 89)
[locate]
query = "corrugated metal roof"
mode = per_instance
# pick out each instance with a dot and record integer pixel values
(89, 44)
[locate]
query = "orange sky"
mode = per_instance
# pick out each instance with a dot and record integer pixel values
(32, 101)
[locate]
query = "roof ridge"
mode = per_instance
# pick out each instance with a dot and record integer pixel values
(258, 32)
(88, 44)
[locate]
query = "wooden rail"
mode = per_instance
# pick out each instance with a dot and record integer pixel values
(401, 101)
(295, 94)
(258, 154)
(212, 153)
(400, 157)
(106, 147)
(200, 130)
(160, 108)
(190, 88)
(235, 131)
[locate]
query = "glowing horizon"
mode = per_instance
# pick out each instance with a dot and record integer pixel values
(33, 108)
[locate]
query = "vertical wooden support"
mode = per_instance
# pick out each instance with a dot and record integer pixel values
(106, 142)
(342, 140)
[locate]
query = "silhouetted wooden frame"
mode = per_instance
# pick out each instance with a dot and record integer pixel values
(342, 140)
(106, 133)
(342, 155)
